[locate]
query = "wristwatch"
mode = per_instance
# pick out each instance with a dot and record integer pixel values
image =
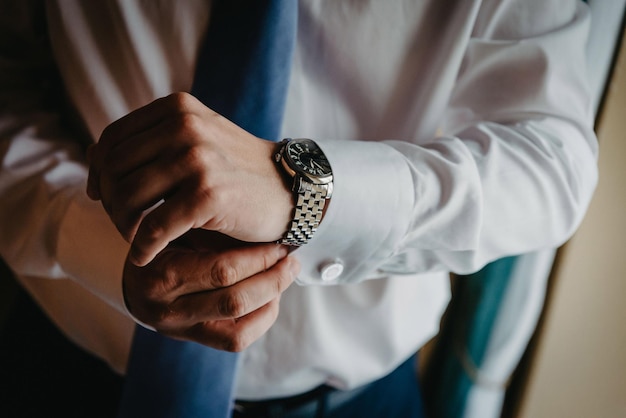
(303, 160)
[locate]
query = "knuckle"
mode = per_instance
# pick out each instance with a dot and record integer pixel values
(171, 280)
(146, 295)
(153, 292)
(236, 342)
(233, 340)
(223, 273)
(207, 192)
(152, 229)
(194, 158)
(181, 100)
(150, 287)
(212, 206)
(231, 305)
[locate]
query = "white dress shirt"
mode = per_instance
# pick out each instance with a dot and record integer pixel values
(459, 131)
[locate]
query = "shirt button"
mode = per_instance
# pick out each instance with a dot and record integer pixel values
(331, 270)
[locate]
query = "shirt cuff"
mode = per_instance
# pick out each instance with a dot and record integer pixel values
(92, 252)
(367, 217)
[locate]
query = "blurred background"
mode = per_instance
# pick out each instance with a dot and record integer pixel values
(578, 364)
(544, 334)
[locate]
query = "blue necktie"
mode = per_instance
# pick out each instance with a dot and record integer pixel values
(242, 73)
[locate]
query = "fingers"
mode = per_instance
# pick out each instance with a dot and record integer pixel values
(126, 200)
(235, 301)
(138, 173)
(181, 212)
(193, 272)
(238, 333)
(224, 302)
(152, 290)
(131, 125)
(235, 335)
(207, 172)
(144, 158)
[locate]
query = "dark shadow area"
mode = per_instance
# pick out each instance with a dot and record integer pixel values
(43, 374)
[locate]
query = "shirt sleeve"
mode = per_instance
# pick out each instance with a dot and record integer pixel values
(48, 227)
(512, 170)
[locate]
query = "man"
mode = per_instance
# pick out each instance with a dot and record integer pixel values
(457, 132)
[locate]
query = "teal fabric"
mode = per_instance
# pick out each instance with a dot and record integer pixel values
(464, 337)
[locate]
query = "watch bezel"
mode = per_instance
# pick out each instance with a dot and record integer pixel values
(293, 169)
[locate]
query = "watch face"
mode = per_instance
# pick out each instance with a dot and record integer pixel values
(306, 157)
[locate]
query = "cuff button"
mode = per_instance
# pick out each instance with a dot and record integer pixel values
(331, 270)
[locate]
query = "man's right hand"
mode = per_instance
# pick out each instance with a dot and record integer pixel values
(175, 165)
(218, 295)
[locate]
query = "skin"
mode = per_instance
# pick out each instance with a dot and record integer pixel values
(210, 173)
(199, 199)
(208, 288)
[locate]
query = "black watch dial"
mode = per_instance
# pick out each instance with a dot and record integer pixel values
(306, 157)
